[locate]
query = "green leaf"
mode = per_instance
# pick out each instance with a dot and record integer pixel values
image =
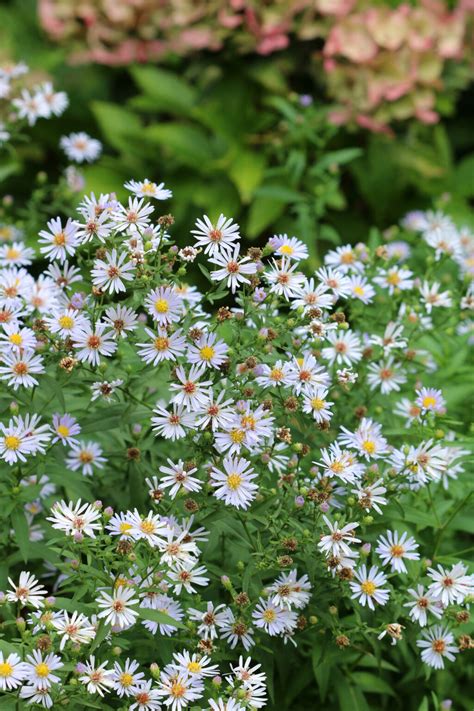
(118, 124)
(424, 706)
(160, 617)
(350, 697)
(263, 213)
(168, 91)
(20, 526)
(187, 144)
(53, 385)
(371, 683)
(247, 172)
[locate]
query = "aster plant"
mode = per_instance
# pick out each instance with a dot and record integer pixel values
(211, 475)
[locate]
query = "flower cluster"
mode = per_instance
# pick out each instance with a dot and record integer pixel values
(222, 477)
(380, 63)
(22, 100)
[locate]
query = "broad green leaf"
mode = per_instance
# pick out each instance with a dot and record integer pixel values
(20, 526)
(117, 123)
(187, 144)
(160, 617)
(167, 90)
(371, 683)
(263, 213)
(247, 172)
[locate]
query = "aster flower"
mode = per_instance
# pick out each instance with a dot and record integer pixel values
(134, 216)
(104, 389)
(394, 549)
(208, 351)
(190, 390)
(60, 242)
(75, 518)
(368, 587)
(117, 609)
(127, 678)
(85, 456)
(110, 273)
(275, 620)
(28, 591)
(11, 671)
(450, 586)
(96, 677)
(164, 305)
(65, 427)
(421, 604)
(283, 279)
(344, 348)
(163, 346)
(18, 369)
(386, 375)
(80, 148)
(145, 188)
(39, 671)
(178, 689)
(289, 247)
(172, 425)
(430, 400)
(437, 643)
(187, 575)
(216, 238)
(75, 628)
(92, 342)
(234, 485)
(339, 539)
(232, 269)
(177, 477)
(16, 254)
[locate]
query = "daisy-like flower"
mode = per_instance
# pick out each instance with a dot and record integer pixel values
(209, 620)
(278, 374)
(85, 456)
(65, 322)
(164, 305)
(339, 539)
(236, 631)
(177, 549)
(274, 619)
(214, 412)
(430, 400)
(39, 671)
(75, 628)
(232, 269)
(163, 346)
(144, 697)
(96, 677)
(283, 278)
(61, 241)
(218, 237)
(340, 463)
(80, 148)
(110, 273)
(56, 101)
(65, 427)
(289, 247)
(178, 689)
(367, 439)
(437, 643)
(432, 296)
(91, 343)
(166, 604)
(234, 485)
(172, 425)
(15, 339)
(408, 410)
(335, 280)
(15, 443)
(105, 389)
(208, 351)
(344, 349)
(16, 255)
(385, 375)
(11, 671)
(318, 405)
(121, 319)
(187, 575)
(36, 695)
(361, 289)
(450, 586)
(368, 588)
(117, 609)
(421, 604)
(391, 339)
(290, 591)
(150, 528)
(394, 279)
(308, 375)
(28, 591)
(177, 477)
(371, 496)
(133, 217)
(18, 369)
(190, 391)
(121, 525)
(145, 188)
(75, 518)
(126, 678)
(196, 666)
(309, 296)
(94, 226)
(344, 259)
(394, 549)
(30, 106)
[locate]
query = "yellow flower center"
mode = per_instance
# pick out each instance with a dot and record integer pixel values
(393, 279)
(358, 290)
(194, 667)
(368, 446)
(126, 679)
(368, 587)
(177, 690)
(161, 343)
(16, 339)
(397, 551)
(237, 436)
(286, 249)
(62, 430)
(162, 306)
(317, 403)
(59, 239)
(66, 322)
(276, 374)
(429, 401)
(269, 615)
(12, 442)
(148, 188)
(6, 669)
(207, 352)
(125, 527)
(13, 253)
(42, 670)
(234, 481)
(147, 526)
(337, 467)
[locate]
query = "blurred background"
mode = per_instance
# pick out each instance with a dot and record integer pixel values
(320, 118)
